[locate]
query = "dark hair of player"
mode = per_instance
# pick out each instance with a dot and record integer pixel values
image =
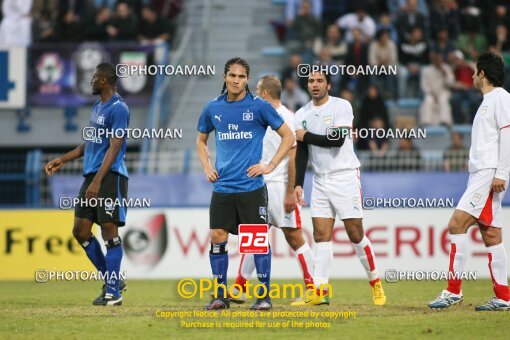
(107, 70)
(492, 66)
(240, 62)
(272, 85)
(325, 74)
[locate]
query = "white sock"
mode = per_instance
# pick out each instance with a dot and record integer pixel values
(458, 251)
(323, 260)
(365, 253)
(305, 258)
(247, 266)
(498, 264)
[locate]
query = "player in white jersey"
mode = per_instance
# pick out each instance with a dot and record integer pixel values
(283, 210)
(489, 168)
(336, 189)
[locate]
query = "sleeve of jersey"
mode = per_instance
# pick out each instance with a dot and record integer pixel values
(324, 141)
(270, 116)
(503, 112)
(120, 119)
(205, 124)
(503, 170)
(289, 120)
(301, 162)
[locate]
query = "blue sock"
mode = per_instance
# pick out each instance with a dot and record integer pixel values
(113, 258)
(95, 253)
(263, 265)
(218, 256)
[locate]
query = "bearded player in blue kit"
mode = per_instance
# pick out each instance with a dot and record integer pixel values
(106, 179)
(240, 121)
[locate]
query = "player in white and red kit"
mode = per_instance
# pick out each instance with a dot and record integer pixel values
(489, 168)
(283, 210)
(336, 189)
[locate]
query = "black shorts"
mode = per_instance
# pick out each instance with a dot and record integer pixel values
(229, 210)
(114, 189)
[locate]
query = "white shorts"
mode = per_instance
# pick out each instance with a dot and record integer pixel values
(480, 201)
(276, 207)
(335, 194)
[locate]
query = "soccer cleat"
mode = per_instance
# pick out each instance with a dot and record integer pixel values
(378, 294)
(494, 304)
(311, 299)
(108, 300)
(445, 300)
(218, 303)
(122, 288)
(262, 304)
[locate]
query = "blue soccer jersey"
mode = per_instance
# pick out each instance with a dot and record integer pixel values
(239, 127)
(106, 120)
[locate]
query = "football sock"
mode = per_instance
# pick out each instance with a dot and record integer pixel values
(113, 259)
(305, 259)
(218, 257)
(498, 269)
(246, 269)
(322, 264)
(365, 253)
(95, 254)
(263, 265)
(458, 250)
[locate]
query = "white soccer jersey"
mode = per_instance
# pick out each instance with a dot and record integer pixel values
(272, 141)
(492, 115)
(336, 112)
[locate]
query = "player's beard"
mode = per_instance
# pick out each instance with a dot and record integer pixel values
(96, 91)
(322, 94)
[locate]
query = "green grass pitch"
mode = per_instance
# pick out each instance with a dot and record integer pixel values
(63, 310)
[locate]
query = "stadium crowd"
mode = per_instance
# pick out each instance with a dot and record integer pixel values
(53, 21)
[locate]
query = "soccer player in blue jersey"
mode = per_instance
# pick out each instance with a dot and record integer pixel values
(239, 120)
(106, 180)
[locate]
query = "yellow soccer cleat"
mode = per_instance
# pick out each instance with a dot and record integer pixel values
(378, 294)
(311, 300)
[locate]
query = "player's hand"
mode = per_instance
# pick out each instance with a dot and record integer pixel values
(300, 134)
(298, 194)
(212, 175)
(289, 202)
(260, 169)
(498, 185)
(93, 189)
(53, 166)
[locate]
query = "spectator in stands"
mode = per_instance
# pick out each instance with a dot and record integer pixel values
(304, 30)
(16, 25)
(385, 23)
(153, 29)
(472, 12)
(332, 10)
(110, 4)
(408, 19)
(396, 6)
(378, 143)
(465, 99)
(499, 40)
(79, 9)
(69, 28)
(407, 157)
(357, 54)
(124, 24)
(455, 157)
(413, 55)
(443, 44)
(43, 27)
(293, 97)
(359, 20)
(293, 7)
(445, 14)
(372, 106)
(325, 59)
(436, 81)
(168, 9)
(97, 28)
(333, 41)
(291, 72)
(471, 43)
(498, 17)
(383, 52)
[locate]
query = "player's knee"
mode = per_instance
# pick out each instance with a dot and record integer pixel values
(218, 236)
(491, 236)
(321, 236)
(81, 235)
(295, 240)
(455, 226)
